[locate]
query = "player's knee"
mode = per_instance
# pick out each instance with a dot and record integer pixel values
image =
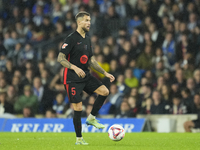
(78, 108)
(105, 92)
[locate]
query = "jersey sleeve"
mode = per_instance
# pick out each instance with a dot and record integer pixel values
(67, 46)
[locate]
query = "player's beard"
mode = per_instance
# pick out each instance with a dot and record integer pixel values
(85, 29)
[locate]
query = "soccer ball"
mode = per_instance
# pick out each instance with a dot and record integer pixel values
(116, 132)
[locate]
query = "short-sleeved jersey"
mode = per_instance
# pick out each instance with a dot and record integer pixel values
(78, 51)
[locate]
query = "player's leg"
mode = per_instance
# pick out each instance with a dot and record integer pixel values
(77, 123)
(188, 125)
(74, 93)
(77, 118)
(102, 92)
(95, 86)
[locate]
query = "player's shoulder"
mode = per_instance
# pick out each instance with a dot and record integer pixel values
(70, 36)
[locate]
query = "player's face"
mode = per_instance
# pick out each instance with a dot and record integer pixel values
(85, 23)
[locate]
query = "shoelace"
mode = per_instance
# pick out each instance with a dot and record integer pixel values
(96, 120)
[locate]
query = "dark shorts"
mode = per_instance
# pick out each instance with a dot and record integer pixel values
(75, 89)
(196, 123)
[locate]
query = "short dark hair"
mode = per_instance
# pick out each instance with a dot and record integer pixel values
(148, 85)
(177, 96)
(186, 90)
(81, 14)
(196, 94)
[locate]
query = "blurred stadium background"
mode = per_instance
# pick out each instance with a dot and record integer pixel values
(150, 46)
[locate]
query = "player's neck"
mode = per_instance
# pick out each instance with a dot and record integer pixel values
(81, 32)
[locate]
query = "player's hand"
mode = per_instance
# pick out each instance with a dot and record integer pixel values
(110, 76)
(79, 72)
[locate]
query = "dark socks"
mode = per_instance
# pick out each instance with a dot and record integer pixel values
(97, 104)
(77, 123)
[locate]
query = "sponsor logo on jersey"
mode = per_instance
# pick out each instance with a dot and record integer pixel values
(64, 45)
(79, 43)
(84, 59)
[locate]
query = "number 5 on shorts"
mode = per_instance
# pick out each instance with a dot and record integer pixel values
(73, 91)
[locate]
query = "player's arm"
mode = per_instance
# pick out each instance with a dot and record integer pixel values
(94, 64)
(65, 63)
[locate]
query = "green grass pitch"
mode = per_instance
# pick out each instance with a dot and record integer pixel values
(99, 141)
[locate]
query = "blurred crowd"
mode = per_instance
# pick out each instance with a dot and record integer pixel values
(150, 46)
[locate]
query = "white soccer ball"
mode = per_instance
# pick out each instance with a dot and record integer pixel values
(116, 132)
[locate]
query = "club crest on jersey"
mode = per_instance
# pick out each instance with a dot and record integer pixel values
(64, 45)
(84, 59)
(85, 47)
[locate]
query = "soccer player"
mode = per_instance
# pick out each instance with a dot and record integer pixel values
(76, 56)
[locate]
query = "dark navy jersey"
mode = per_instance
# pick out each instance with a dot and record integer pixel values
(78, 51)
